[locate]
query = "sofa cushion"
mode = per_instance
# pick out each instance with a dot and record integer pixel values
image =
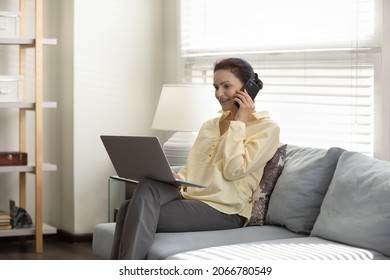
(296, 200)
(303, 248)
(103, 237)
(262, 194)
(169, 243)
(356, 209)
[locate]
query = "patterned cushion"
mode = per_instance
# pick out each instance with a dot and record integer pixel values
(261, 196)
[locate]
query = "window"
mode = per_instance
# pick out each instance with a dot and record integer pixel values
(318, 61)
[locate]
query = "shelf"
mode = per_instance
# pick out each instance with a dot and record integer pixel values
(47, 229)
(26, 168)
(27, 105)
(25, 41)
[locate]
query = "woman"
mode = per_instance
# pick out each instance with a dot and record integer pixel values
(228, 157)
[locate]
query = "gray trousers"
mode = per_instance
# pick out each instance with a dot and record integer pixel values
(159, 207)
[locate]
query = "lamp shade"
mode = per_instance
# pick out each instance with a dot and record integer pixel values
(185, 107)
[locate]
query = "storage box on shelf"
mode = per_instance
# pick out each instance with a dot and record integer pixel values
(9, 24)
(10, 88)
(13, 158)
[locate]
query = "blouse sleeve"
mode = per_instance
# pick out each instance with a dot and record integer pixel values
(245, 153)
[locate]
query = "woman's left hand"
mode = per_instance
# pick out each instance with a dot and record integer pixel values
(177, 175)
(247, 106)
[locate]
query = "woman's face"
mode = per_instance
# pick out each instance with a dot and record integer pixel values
(226, 85)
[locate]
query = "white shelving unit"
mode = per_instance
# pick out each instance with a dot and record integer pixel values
(46, 229)
(27, 168)
(26, 105)
(37, 106)
(25, 41)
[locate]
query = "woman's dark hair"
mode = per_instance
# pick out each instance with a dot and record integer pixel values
(240, 68)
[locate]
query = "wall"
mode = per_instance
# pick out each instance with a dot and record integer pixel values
(172, 65)
(384, 86)
(116, 72)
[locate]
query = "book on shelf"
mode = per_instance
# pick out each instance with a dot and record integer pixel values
(5, 220)
(4, 215)
(4, 227)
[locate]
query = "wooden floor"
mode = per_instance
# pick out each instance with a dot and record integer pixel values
(54, 248)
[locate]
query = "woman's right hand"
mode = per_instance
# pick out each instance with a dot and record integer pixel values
(247, 106)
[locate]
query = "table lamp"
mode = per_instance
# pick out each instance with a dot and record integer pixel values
(183, 108)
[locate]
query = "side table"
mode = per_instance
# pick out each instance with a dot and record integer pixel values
(119, 189)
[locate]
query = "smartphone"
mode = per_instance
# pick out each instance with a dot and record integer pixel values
(252, 89)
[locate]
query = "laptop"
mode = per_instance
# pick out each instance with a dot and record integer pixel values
(140, 157)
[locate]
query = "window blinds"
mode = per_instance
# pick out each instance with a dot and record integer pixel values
(317, 60)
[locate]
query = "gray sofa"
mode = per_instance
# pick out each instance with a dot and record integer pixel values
(315, 204)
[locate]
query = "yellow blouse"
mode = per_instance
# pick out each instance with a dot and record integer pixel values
(230, 165)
